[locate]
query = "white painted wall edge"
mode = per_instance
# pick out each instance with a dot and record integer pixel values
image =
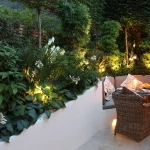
(68, 128)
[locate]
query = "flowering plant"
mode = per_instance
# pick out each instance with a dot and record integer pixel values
(2, 119)
(45, 61)
(74, 80)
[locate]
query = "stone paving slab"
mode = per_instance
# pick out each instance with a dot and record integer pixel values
(106, 140)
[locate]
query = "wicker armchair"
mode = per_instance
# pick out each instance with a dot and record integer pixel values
(133, 118)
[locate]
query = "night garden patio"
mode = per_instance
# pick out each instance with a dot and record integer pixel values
(53, 57)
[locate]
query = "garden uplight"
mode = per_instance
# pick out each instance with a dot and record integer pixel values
(114, 122)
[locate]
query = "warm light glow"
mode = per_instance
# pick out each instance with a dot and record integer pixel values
(134, 57)
(114, 122)
(134, 44)
(102, 69)
(115, 67)
(135, 83)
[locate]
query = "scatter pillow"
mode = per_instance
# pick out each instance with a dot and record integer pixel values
(129, 83)
(139, 85)
(108, 88)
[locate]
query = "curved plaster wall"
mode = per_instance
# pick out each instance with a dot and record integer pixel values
(67, 128)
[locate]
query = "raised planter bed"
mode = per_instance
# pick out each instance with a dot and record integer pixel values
(67, 128)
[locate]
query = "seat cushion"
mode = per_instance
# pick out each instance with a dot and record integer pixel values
(109, 104)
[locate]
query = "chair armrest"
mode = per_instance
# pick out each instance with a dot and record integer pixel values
(146, 104)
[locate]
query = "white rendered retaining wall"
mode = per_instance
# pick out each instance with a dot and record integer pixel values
(67, 128)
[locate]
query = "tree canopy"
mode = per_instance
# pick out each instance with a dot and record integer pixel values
(136, 9)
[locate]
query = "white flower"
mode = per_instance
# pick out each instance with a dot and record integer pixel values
(51, 41)
(46, 50)
(57, 48)
(75, 80)
(93, 57)
(53, 48)
(2, 119)
(62, 52)
(39, 64)
(34, 73)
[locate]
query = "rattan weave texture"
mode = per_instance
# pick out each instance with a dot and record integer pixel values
(133, 119)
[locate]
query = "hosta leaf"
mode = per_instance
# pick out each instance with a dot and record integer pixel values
(25, 123)
(2, 126)
(5, 138)
(56, 106)
(22, 110)
(40, 106)
(13, 105)
(2, 86)
(19, 125)
(16, 113)
(12, 85)
(7, 53)
(19, 102)
(1, 99)
(54, 95)
(32, 113)
(61, 103)
(71, 96)
(29, 98)
(15, 90)
(16, 132)
(6, 96)
(4, 74)
(41, 111)
(58, 86)
(48, 113)
(64, 91)
(4, 131)
(9, 127)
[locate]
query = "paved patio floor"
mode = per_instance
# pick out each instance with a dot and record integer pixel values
(106, 140)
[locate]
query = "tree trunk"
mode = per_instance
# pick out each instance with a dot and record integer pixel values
(126, 44)
(39, 25)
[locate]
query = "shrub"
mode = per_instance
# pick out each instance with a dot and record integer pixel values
(76, 24)
(145, 45)
(109, 34)
(20, 28)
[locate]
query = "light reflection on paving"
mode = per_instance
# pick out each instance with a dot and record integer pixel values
(106, 140)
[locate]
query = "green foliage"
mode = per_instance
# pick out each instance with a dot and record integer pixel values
(145, 45)
(96, 11)
(114, 65)
(116, 9)
(76, 24)
(44, 63)
(110, 32)
(19, 110)
(130, 18)
(11, 21)
(82, 70)
(145, 61)
(54, 74)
